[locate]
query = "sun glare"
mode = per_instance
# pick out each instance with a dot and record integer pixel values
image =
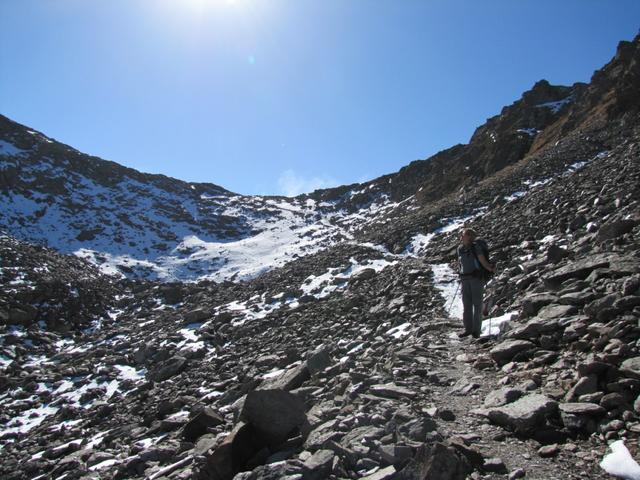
(201, 5)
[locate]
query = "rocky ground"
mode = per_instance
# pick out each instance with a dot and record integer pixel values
(344, 364)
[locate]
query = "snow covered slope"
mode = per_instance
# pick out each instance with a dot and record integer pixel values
(155, 227)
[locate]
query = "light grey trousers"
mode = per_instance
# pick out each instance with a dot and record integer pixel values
(472, 292)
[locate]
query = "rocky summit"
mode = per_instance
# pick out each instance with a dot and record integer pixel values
(159, 329)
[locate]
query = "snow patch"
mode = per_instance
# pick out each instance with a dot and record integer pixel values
(418, 243)
(532, 132)
(493, 326)
(28, 419)
(555, 107)
(129, 373)
(400, 331)
(620, 463)
(10, 150)
(104, 464)
(514, 196)
(447, 282)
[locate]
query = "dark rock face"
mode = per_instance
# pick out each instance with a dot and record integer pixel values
(438, 462)
(273, 413)
(200, 424)
(168, 368)
(330, 366)
(231, 455)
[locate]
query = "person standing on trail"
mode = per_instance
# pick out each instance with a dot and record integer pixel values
(471, 261)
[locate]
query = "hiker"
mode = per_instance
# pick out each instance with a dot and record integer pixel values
(472, 262)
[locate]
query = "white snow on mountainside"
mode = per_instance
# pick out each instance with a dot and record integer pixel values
(159, 228)
(153, 227)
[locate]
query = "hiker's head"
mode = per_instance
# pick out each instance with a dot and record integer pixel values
(468, 236)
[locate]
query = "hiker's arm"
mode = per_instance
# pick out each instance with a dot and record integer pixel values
(485, 264)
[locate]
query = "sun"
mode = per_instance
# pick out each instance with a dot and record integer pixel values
(205, 4)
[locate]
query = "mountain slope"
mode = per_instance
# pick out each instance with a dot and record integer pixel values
(344, 363)
(362, 338)
(592, 120)
(151, 226)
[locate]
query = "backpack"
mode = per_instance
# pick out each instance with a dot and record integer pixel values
(483, 273)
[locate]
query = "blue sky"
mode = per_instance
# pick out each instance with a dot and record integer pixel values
(275, 96)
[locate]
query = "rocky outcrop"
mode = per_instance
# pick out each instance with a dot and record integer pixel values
(57, 292)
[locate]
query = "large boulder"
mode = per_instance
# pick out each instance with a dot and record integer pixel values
(614, 229)
(276, 414)
(532, 303)
(436, 461)
(581, 416)
(631, 367)
(168, 368)
(505, 351)
(199, 425)
(524, 415)
(318, 360)
(578, 269)
(269, 417)
(230, 456)
(289, 380)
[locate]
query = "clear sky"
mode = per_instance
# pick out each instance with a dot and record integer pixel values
(283, 96)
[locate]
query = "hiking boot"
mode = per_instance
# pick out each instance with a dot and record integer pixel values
(464, 334)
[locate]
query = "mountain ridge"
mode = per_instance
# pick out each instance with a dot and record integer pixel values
(63, 183)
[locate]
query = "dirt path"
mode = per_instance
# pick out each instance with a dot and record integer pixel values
(461, 388)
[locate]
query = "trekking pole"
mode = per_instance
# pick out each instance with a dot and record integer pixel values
(454, 297)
